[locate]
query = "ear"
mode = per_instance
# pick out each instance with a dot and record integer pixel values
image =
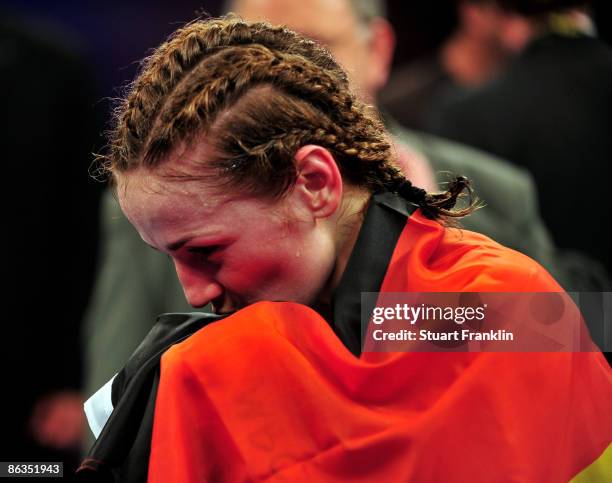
(319, 182)
(381, 50)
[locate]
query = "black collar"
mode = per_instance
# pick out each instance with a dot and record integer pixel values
(384, 221)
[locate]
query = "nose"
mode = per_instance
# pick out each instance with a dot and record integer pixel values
(199, 286)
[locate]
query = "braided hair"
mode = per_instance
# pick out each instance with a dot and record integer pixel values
(254, 93)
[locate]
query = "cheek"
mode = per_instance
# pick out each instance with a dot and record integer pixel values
(264, 271)
(278, 263)
(253, 271)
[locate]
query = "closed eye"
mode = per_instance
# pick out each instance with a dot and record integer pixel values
(205, 251)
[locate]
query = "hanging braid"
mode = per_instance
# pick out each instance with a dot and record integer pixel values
(254, 94)
(437, 205)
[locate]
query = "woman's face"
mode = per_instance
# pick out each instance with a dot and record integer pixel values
(230, 250)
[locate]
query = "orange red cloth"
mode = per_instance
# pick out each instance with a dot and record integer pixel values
(271, 394)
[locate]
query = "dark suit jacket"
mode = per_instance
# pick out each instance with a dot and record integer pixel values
(551, 113)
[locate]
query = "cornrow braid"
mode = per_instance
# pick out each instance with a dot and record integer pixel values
(172, 62)
(235, 72)
(254, 94)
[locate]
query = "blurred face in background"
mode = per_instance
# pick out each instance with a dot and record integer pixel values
(494, 27)
(364, 50)
(482, 21)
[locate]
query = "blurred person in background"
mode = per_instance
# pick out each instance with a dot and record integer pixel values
(469, 56)
(135, 284)
(551, 113)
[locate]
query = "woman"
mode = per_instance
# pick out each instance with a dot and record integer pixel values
(242, 154)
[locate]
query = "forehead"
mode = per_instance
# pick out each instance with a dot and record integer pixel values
(169, 192)
(149, 200)
(320, 19)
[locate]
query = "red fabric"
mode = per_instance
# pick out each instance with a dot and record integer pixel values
(271, 394)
